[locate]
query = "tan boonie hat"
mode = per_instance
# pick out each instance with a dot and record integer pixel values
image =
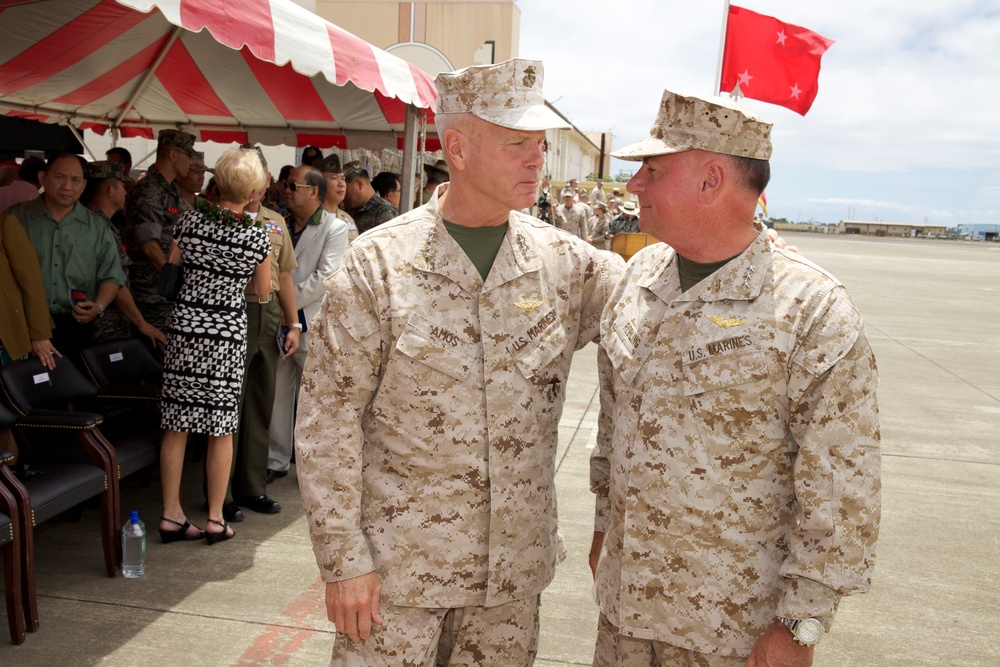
(176, 139)
(689, 122)
(105, 169)
(330, 164)
(508, 94)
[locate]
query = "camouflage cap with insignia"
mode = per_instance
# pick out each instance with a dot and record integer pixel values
(568, 192)
(354, 169)
(330, 164)
(176, 139)
(105, 169)
(198, 161)
(690, 122)
(508, 94)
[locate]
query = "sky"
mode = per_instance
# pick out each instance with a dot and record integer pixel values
(905, 128)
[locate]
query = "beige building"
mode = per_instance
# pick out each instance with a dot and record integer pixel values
(452, 34)
(890, 228)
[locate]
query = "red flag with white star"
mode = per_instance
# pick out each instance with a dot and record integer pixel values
(771, 61)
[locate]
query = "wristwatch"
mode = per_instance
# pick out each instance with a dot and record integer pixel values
(806, 631)
(295, 325)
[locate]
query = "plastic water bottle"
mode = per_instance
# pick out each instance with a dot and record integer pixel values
(133, 547)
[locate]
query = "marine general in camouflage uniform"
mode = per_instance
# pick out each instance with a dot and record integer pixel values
(432, 394)
(737, 467)
(152, 210)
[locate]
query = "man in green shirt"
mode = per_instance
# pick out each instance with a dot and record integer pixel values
(77, 253)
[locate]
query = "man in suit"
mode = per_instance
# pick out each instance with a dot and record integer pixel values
(320, 239)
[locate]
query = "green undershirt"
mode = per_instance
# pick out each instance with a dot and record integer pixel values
(693, 273)
(481, 244)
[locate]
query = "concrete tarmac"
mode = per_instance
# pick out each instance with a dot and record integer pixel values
(932, 311)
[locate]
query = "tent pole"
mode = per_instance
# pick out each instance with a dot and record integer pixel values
(148, 76)
(79, 137)
(409, 158)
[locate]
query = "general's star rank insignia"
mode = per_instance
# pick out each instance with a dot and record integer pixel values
(528, 306)
(726, 322)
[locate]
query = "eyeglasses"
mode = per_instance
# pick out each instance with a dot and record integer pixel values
(292, 185)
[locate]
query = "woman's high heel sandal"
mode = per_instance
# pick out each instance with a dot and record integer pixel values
(181, 533)
(221, 536)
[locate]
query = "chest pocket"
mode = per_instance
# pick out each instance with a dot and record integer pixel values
(532, 358)
(625, 351)
(436, 346)
(736, 404)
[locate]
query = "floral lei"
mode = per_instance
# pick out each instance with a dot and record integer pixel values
(224, 215)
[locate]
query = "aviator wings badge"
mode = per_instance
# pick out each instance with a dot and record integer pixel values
(726, 322)
(528, 306)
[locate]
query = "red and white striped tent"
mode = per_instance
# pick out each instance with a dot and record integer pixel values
(263, 71)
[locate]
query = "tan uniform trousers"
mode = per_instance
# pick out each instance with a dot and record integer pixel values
(501, 636)
(615, 650)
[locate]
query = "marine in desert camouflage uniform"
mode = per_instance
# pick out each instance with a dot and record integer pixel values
(737, 467)
(431, 399)
(574, 217)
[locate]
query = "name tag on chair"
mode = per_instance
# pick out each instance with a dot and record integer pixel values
(41, 377)
(117, 356)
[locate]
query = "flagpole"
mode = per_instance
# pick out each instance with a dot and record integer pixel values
(722, 48)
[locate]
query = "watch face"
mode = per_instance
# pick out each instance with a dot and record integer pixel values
(809, 630)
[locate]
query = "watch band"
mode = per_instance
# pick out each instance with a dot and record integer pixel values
(296, 325)
(806, 631)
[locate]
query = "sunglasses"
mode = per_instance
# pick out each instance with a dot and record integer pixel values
(292, 185)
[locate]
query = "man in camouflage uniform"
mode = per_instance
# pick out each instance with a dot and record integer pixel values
(191, 184)
(105, 196)
(572, 216)
(430, 404)
(626, 222)
(614, 201)
(737, 466)
(437, 174)
(152, 210)
(361, 202)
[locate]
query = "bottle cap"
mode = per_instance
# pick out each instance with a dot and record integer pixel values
(134, 516)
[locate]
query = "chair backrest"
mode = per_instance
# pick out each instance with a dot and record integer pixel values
(27, 385)
(125, 361)
(7, 417)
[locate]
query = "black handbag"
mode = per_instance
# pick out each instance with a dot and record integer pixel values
(171, 278)
(171, 275)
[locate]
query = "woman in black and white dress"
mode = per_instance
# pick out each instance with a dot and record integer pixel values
(221, 249)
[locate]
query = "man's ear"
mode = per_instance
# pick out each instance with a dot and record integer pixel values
(715, 174)
(455, 147)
